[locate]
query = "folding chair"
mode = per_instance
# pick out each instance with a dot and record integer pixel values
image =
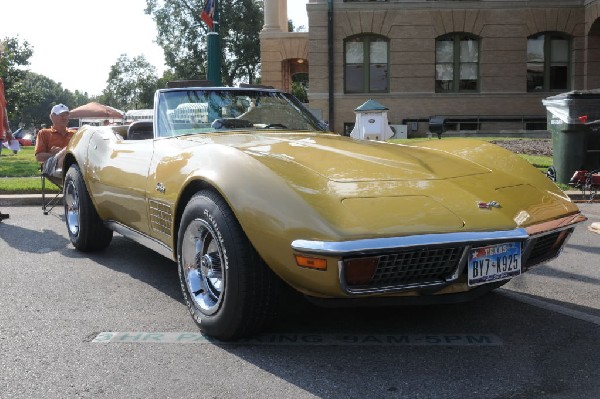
(50, 200)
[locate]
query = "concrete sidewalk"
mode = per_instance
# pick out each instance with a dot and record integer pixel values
(36, 199)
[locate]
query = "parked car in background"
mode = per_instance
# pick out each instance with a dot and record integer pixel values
(24, 136)
(249, 193)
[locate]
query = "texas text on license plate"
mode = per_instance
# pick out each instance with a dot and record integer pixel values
(494, 263)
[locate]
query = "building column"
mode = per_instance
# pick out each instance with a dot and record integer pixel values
(592, 56)
(275, 15)
(283, 15)
(592, 73)
(280, 50)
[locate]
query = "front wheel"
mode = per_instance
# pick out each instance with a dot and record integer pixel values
(228, 289)
(86, 230)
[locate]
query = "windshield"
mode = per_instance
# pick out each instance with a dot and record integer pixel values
(191, 111)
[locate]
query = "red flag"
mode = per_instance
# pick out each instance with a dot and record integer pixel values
(208, 13)
(3, 114)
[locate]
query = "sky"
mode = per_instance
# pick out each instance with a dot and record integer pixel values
(97, 32)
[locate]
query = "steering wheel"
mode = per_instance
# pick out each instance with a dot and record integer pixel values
(275, 125)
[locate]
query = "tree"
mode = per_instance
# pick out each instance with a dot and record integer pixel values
(14, 58)
(182, 35)
(292, 28)
(30, 96)
(131, 84)
(44, 94)
(300, 86)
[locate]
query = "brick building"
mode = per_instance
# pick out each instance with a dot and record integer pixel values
(484, 65)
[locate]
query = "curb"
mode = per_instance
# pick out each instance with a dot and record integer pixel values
(21, 199)
(578, 197)
(36, 199)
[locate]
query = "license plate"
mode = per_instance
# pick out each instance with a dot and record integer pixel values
(494, 263)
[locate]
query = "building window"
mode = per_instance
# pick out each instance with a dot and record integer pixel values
(366, 64)
(548, 62)
(456, 63)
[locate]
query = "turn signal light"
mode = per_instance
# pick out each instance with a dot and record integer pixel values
(360, 271)
(311, 263)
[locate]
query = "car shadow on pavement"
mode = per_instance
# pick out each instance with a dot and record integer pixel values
(33, 241)
(525, 333)
(122, 255)
(584, 248)
(561, 274)
(126, 256)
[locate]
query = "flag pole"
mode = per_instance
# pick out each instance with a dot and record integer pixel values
(214, 50)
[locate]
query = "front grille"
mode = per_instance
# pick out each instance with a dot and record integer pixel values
(416, 267)
(546, 247)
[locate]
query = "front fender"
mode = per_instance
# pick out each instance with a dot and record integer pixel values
(77, 150)
(269, 207)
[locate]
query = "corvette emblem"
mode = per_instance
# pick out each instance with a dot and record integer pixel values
(488, 205)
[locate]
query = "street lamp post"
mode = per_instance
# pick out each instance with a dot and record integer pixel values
(214, 50)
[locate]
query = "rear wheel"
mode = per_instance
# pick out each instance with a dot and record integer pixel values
(86, 230)
(230, 292)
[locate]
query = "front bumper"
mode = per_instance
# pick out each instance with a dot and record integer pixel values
(429, 263)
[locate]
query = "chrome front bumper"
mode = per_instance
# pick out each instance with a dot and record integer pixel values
(449, 251)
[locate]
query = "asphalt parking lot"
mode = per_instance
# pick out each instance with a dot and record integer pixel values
(112, 324)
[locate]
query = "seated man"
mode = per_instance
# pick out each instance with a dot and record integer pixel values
(51, 143)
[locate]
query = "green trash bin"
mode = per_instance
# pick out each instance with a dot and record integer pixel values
(573, 122)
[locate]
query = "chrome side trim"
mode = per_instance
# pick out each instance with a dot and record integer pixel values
(140, 238)
(371, 245)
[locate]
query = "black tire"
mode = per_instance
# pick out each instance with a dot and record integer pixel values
(86, 230)
(228, 289)
(551, 173)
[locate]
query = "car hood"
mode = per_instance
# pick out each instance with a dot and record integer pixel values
(342, 160)
(427, 190)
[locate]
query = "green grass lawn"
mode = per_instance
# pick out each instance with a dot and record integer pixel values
(20, 173)
(539, 161)
(21, 164)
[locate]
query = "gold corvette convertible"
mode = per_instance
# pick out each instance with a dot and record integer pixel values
(249, 193)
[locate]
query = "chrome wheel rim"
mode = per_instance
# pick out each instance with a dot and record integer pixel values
(202, 263)
(72, 210)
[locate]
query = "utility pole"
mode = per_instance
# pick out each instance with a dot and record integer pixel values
(330, 69)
